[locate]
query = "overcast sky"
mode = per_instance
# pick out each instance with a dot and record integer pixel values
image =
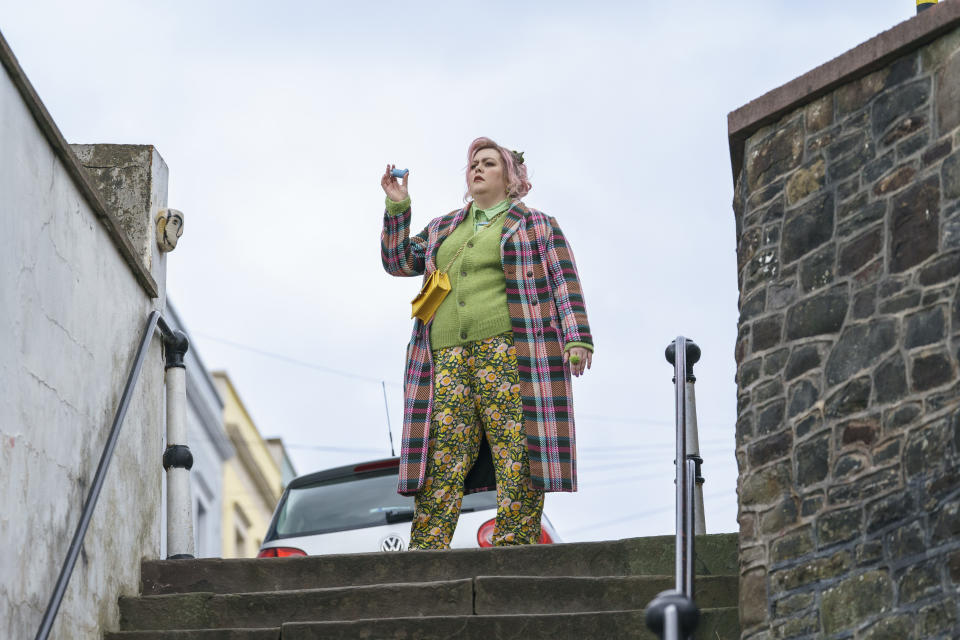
(276, 120)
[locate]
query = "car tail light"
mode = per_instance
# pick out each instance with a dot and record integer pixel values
(485, 533)
(374, 466)
(280, 552)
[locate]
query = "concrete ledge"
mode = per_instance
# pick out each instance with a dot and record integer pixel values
(859, 61)
(73, 168)
(716, 555)
(715, 624)
(499, 595)
(198, 634)
(258, 610)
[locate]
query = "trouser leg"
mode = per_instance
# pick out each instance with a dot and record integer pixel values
(451, 450)
(496, 383)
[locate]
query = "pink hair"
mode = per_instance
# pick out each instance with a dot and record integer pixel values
(518, 185)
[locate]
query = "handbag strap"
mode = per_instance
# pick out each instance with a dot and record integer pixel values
(464, 245)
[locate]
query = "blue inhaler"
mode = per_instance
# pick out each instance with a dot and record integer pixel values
(399, 173)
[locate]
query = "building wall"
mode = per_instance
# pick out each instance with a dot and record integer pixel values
(282, 458)
(252, 481)
(74, 302)
(848, 433)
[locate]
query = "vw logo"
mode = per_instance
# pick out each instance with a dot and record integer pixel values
(392, 542)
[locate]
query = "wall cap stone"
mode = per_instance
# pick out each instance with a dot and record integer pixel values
(73, 168)
(863, 59)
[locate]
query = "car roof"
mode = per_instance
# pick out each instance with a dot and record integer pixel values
(346, 470)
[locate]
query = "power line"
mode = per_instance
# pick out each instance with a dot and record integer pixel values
(620, 420)
(356, 376)
(642, 514)
(295, 361)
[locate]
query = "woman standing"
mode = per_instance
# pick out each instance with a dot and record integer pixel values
(488, 375)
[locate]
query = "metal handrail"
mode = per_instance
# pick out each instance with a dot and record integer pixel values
(154, 321)
(673, 614)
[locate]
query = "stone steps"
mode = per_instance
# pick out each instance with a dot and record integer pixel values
(715, 624)
(483, 595)
(580, 590)
(716, 554)
(273, 633)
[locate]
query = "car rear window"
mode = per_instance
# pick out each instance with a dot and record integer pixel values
(355, 502)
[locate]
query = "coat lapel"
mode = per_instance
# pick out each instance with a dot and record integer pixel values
(512, 221)
(444, 228)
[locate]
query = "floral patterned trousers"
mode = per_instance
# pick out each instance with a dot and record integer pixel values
(476, 392)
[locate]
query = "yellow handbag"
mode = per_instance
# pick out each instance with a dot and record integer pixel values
(437, 286)
(434, 290)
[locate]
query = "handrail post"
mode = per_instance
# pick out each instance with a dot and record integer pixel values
(671, 623)
(177, 459)
(690, 469)
(673, 614)
(693, 451)
(683, 525)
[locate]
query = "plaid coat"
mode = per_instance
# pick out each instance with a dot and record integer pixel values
(546, 311)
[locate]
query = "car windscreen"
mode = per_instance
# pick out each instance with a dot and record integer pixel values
(355, 502)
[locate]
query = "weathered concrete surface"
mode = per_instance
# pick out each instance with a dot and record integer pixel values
(209, 610)
(132, 181)
(197, 634)
(481, 596)
(578, 590)
(48, 128)
(561, 594)
(716, 555)
(716, 624)
(72, 309)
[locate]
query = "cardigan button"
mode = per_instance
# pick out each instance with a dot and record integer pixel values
(470, 245)
(535, 302)
(462, 303)
(463, 335)
(463, 274)
(529, 274)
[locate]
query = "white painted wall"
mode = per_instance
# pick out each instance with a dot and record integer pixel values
(71, 314)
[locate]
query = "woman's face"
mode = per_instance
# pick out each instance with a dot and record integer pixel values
(486, 176)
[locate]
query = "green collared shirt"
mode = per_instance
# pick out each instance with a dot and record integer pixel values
(482, 217)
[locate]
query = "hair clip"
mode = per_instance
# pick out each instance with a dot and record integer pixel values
(517, 156)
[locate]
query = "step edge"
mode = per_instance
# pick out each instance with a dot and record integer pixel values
(632, 577)
(711, 610)
(664, 539)
(354, 587)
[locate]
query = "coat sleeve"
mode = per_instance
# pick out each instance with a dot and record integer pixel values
(402, 255)
(565, 286)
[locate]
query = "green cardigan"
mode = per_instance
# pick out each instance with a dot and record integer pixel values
(476, 307)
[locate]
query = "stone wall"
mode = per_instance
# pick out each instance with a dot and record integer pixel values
(848, 221)
(74, 299)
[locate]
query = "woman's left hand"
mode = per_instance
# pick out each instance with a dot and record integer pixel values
(583, 359)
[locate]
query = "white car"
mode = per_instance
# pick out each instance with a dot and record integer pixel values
(356, 508)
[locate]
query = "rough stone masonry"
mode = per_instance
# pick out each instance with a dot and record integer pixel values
(848, 432)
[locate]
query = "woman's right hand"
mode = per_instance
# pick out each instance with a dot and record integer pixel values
(395, 190)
